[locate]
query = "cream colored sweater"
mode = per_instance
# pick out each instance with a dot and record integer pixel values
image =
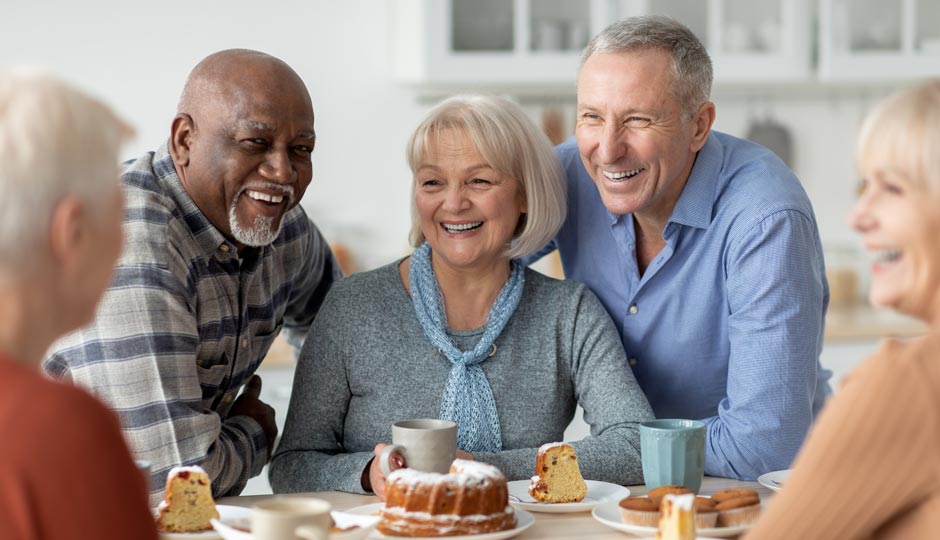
(871, 465)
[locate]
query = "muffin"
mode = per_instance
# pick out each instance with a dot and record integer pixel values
(733, 493)
(641, 511)
(660, 492)
(740, 511)
(706, 516)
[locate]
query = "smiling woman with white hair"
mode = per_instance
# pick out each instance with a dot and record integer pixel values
(871, 467)
(461, 330)
(60, 234)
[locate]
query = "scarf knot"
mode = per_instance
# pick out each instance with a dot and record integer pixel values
(467, 399)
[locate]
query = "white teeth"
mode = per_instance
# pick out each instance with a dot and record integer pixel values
(462, 226)
(885, 256)
(257, 195)
(621, 174)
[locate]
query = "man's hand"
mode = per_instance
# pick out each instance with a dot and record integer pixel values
(249, 404)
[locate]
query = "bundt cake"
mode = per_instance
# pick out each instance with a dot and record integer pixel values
(472, 499)
(677, 517)
(187, 505)
(557, 475)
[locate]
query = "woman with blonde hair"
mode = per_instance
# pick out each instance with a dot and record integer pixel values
(65, 472)
(871, 467)
(461, 330)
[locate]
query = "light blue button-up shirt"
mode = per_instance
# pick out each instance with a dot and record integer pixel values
(726, 323)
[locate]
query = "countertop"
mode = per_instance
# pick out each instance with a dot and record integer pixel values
(863, 322)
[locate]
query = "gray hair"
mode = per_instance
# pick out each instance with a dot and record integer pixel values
(511, 144)
(55, 141)
(903, 132)
(691, 65)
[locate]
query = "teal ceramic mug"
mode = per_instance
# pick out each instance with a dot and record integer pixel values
(673, 453)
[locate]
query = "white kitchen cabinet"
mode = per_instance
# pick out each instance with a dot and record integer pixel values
(874, 40)
(473, 43)
(476, 43)
(748, 40)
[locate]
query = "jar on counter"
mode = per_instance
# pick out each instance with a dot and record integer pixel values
(842, 273)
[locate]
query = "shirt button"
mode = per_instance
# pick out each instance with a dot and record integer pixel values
(633, 309)
(224, 248)
(199, 363)
(244, 343)
(632, 361)
(227, 399)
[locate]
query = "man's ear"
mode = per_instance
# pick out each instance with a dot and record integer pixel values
(181, 134)
(701, 125)
(68, 231)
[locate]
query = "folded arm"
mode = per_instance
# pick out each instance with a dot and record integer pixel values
(140, 357)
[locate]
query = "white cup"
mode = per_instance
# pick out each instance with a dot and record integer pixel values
(427, 444)
(291, 518)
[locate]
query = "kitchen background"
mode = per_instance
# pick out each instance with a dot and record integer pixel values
(797, 75)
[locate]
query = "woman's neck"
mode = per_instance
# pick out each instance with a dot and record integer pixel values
(468, 293)
(24, 335)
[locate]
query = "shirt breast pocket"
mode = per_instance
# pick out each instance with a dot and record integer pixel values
(213, 379)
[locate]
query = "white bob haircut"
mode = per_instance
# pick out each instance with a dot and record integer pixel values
(55, 141)
(903, 131)
(511, 144)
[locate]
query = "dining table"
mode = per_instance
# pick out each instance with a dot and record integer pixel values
(547, 526)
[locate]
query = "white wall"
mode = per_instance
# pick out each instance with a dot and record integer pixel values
(137, 56)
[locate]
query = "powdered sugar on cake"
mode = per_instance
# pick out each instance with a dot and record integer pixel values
(547, 446)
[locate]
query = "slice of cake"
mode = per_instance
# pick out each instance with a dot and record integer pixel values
(677, 518)
(187, 504)
(557, 475)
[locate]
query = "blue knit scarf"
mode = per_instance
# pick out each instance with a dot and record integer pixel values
(468, 398)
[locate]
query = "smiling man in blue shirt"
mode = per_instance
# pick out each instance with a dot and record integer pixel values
(703, 248)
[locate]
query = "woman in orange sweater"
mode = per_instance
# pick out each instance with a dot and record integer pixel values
(871, 465)
(65, 472)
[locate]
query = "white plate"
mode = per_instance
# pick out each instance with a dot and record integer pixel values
(597, 493)
(234, 516)
(774, 480)
(524, 520)
(609, 514)
(364, 524)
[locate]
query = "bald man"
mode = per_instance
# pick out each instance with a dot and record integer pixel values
(218, 258)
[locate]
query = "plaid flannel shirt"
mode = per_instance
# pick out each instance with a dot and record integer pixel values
(186, 322)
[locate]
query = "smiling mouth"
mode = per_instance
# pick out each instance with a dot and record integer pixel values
(264, 197)
(885, 256)
(621, 176)
(459, 228)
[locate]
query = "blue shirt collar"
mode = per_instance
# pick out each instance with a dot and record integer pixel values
(695, 204)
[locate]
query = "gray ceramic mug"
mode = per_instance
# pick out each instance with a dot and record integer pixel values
(427, 444)
(673, 453)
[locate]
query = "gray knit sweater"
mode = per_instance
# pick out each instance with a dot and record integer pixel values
(366, 363)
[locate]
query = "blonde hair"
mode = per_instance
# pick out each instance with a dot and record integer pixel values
(904, 131)
(510, 143)
(55, 141)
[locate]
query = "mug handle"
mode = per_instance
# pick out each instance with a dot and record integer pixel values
(385, 455)
(310, 532)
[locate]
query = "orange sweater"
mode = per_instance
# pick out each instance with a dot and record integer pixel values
(65, 472)
(870, 468)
